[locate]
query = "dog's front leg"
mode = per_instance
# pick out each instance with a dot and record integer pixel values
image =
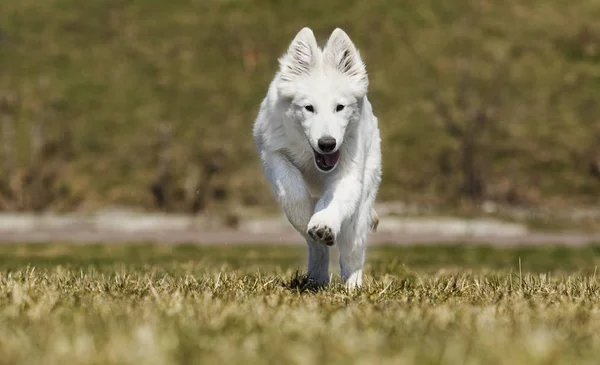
(297, 204)
(336, 208)
(290, 189)
(338, 204)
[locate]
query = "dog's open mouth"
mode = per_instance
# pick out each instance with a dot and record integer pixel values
(326, 161)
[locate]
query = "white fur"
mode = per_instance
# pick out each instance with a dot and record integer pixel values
(339, 201)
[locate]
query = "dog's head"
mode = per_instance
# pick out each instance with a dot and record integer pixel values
(324, 90)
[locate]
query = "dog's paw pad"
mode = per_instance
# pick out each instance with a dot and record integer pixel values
(322, 234)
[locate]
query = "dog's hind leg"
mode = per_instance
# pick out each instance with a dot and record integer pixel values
(318, 258)
(374, 220)
(318, 262)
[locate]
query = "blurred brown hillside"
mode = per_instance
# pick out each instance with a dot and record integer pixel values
(151, 103)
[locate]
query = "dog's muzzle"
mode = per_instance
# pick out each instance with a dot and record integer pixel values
(326, 161)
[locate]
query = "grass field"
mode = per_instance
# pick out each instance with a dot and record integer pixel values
(146, 304)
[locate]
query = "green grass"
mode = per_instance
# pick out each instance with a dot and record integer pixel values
(111, 98)
(152, 304)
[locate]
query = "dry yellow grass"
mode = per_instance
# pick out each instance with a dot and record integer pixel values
(63, 304)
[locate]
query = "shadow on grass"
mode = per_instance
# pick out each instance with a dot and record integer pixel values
(300, 282)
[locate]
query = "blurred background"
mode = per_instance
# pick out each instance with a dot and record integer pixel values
(484, 106)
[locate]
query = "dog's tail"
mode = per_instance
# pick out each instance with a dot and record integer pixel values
(374, 220)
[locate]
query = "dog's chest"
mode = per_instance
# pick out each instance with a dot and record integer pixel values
(314, 179)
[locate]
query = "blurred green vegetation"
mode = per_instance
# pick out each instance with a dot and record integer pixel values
(151, 103)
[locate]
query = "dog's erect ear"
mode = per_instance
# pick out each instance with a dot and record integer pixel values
(300, 57)
(340, 53)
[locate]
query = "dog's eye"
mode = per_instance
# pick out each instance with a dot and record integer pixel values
(309, 108)
(339, 108)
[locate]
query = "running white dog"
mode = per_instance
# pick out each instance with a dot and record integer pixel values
(319, 143)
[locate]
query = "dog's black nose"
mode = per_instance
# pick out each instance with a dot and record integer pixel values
(326, 144)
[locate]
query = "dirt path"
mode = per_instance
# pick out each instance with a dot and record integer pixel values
(236, 237)
(123, 227)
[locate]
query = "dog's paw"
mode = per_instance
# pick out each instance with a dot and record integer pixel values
(321, 229)
(322, 234)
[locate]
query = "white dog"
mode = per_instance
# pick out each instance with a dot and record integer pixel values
(319, 143)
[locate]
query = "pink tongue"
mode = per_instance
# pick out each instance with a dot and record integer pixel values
(332, 158)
